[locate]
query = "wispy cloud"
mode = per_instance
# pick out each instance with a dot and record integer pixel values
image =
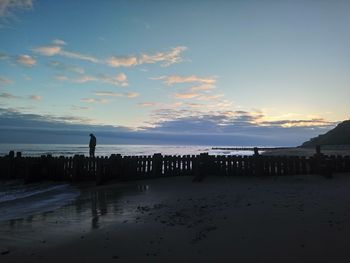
(118, 80)
(132, 94)
(61, 78)
(116, 94)
(94, 100)
(49, 51)
(26, 60)
(122, 61)
(147, 104)
(35, 97)
(57, 48)
(84, 79)
(80, 108)
(4, 81)
(77, 55)
(187, 95)
(4, 56)
(59, 42)
(176, 79)
(6, 95)
(7, 7)
(164, 58)
(64, 67)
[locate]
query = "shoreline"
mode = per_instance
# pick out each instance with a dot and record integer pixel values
(245, 219)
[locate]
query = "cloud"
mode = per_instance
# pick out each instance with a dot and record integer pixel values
(59, 42)
(35, 97)
(7, 7)
(202, 87)
(48, 50)
(122, 61)
(118, 80)
(132, 94)
(298, 123)
(116, 94)
(80, 108)
(176, 79)
(56, 48)
(94, 100)
(230, 128)
(84, 79)
(4, 81)
(107, 94)
(76, 55)
(147, 104)
(210, 97)
(26, 60)
(6, 95)
(188, 95)
(62, 66)
(61, 78)
(164, 58)
(3, 56)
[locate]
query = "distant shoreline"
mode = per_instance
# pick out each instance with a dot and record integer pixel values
(343, 150)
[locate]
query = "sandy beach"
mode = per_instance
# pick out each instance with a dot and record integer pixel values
(222, 219)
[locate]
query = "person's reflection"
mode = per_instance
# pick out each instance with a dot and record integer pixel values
(98, 206)
(94, 212)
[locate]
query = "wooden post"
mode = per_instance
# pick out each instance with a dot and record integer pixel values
(318, 149)
(203, 159)
(258, 169)
(157, 164)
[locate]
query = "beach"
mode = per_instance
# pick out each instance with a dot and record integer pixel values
(224, 219)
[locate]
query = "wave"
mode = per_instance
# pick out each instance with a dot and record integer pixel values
(19, 201)
(21, 192)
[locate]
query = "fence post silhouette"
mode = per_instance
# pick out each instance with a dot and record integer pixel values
(157, 164)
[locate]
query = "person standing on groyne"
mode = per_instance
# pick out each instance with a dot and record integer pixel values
(92, 145)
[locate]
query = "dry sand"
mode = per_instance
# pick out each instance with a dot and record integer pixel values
(222, 219)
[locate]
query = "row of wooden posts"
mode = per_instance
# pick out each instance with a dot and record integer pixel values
(103, 169)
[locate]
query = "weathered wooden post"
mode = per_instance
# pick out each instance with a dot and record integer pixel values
(318, 150)
(10, 164)
(157, 164)
(77, 168)
(202, 167)
(257, 160)
(323, 165)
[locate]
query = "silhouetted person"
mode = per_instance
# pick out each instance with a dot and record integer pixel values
(92, 145)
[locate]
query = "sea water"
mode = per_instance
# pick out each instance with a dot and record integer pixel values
(108, 149)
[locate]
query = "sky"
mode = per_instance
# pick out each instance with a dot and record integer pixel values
(178, 72)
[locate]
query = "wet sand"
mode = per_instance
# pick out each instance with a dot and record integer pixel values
(222, 219)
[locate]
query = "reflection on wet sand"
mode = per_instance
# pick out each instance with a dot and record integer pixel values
(95, 207)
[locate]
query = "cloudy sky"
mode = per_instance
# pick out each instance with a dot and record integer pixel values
(217, 72)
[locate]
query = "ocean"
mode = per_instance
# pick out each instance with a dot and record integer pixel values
(21, 201)
(108, 149)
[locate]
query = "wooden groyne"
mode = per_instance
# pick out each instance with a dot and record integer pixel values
(117, 167)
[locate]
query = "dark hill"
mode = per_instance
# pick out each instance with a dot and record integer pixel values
(340, 135)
